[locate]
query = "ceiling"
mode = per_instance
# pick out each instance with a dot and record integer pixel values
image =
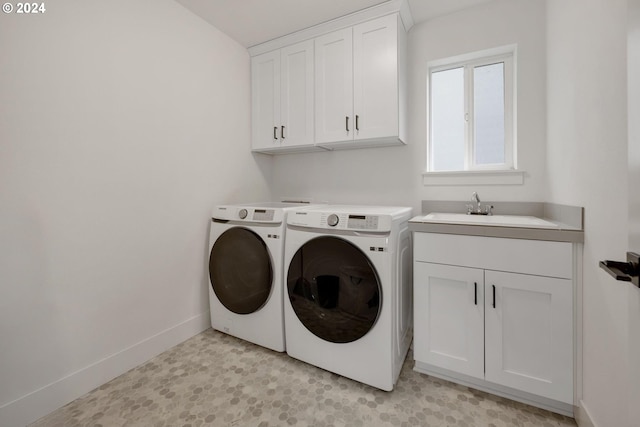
(251, 22)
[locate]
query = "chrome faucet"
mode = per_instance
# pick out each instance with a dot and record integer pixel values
(477, 209)
(476, 199)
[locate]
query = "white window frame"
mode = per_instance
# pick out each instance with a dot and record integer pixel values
(507, 55)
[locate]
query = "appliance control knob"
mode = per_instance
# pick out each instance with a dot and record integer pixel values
(333, 220)
(242, 213)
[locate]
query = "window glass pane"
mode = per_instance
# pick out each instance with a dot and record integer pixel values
(488, 107)
(447, 120)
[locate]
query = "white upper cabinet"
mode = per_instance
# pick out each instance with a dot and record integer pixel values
(358, 92)
(334, 86)
(282, 99)
(340, 84)
(376, 78)
(265, 100)
(296, 95)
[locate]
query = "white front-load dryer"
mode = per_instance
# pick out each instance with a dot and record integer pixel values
(347, 302)
(246, 248)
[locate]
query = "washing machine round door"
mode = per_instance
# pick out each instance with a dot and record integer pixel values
(334, 289)
(240, 270)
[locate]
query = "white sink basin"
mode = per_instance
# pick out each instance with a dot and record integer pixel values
(491, 220)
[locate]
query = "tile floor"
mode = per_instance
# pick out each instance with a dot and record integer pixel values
(214, 379)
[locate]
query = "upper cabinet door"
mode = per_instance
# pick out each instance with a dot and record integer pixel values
(375, 70)
(296, 125)
(334, 86)
(265, 100)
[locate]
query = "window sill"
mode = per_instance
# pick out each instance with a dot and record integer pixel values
(494, 177)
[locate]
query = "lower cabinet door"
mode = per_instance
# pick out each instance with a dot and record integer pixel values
(449, 317)
(528, 327)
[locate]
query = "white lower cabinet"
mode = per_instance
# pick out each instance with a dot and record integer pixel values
(496, 329)
(449, 317)
(528, 333)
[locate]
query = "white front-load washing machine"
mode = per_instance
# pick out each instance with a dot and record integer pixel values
(246, 248)
(347, 303)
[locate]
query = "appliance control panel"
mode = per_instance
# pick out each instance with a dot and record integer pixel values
(341, 221)
(248, 214)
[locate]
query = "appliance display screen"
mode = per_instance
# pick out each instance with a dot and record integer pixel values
(363, 222)
(263, 215)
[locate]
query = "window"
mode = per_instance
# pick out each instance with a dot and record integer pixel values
(471, 113)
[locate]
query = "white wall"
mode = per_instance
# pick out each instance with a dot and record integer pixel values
(393, 175)
(587, 161)
(122, 123)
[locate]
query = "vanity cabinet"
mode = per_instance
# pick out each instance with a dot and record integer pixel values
(496, 314)
(359, 73)
(282, 99)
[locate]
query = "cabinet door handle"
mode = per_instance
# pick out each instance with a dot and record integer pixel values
(357, 127)
(275, 132)
(282, 132)
(475, 293)
(494, 296)
(347, 123)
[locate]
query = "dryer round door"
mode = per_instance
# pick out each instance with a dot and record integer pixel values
(334, 289)
(240, 270)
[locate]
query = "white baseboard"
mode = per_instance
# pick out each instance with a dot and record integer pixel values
(583, 418)
(42, 401)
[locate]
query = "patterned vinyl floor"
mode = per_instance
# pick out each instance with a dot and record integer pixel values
(214, 379)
